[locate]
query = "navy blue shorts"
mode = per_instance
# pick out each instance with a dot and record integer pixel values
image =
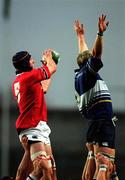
(101, 132)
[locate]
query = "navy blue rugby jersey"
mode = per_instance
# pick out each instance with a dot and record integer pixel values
(91, 92)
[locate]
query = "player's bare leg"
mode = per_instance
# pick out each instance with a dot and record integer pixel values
(96, 146)
(103, 164)
(111, 172)
(40, 162)
(108, 154)
(51, 161)
(106, 168)
(89, 168)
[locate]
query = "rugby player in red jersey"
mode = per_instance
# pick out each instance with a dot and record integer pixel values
(29, 90)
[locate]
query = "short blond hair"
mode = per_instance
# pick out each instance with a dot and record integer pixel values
(83, 56)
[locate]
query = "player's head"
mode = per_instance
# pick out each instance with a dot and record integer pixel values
(84, 56)
(21, 61)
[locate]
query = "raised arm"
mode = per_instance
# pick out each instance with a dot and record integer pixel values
(79, 29)
(49, 61)
(98, 44)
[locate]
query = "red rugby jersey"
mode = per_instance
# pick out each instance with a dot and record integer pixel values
(30, 97)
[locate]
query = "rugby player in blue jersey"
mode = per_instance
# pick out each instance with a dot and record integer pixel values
(95, 104)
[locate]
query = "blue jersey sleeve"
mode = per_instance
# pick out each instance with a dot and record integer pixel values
(94, 64)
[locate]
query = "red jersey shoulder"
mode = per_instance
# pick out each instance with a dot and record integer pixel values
(39, 74)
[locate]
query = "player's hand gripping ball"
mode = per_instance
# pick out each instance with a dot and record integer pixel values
(55, 56)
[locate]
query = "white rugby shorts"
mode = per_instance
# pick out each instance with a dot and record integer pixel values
(39, 133)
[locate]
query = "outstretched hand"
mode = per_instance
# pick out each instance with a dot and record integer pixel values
(102, 23)
(46, 56)
(78, 27)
